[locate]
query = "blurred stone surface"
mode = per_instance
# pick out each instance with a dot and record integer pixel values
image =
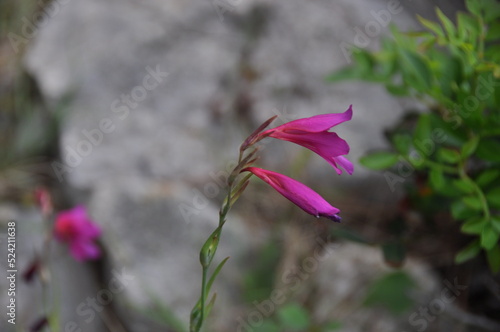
(162, 94)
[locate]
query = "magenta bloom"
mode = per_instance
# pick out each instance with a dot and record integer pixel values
(298, 193)
(312, 133)
(75, 228)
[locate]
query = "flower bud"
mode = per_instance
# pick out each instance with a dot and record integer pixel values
(208, 250)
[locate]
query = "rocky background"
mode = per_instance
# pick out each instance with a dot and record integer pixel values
(153, 99)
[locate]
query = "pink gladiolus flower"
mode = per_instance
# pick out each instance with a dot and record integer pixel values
(298, 193)
(75, 228)
(312, 133)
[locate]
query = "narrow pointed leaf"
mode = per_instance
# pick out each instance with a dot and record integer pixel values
(493, 256)
(433, 26)
(216, 272)
(469, 252)
(210, 305)
(447, 23)
(489, 237)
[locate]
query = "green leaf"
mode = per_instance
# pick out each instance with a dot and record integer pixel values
(433, 26)
(468, 252)
(491, 10)
(493, 31)
(392, 291)
(417, 68)
(445, 130)
(379, 160)
(448, 189)
(427, 44)
(448, 156)
(332, 326)
(495, 223)
(364, 61)
(216, 272)
(474, 225)
(468, 27)
(464, 185)
(268, 326)
(492, 53)
(450, 73)
(436, 178)
(469, 147)
(447, 24)
(473, 6)
(422, 133)
(486, 177)
(160, 312)
(493, 256)
(493, 197)
(461, 211)
(394, 253)
(294, 317)
(210, 305)
(489, 237)
(386, 65)
(488, 149)
(402, 143)
(347, 73)
(397, 90)
(473, 202)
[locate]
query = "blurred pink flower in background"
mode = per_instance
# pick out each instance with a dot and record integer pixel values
(44, 200)
(298, 193)
(75, 228)
(312, 133)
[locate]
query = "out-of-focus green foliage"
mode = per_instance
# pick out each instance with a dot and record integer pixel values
(392, 291)
(294, 317)
(455, 69)
(28, 127)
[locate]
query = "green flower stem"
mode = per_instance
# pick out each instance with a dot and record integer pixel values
(477, 189)
(207, 254)
(203, 295)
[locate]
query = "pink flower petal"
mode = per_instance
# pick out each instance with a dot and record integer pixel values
(83, 250)
(346, 164)
(315, 124)
(298, 193)
(326, 144)
(76, 228)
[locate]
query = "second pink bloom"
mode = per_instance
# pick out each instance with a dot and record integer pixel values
(298, 193)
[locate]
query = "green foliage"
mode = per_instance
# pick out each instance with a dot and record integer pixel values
(260, 282)
(394, 253)
(294, 317)
(392, 292)
(161, 313)
(379, 160)
(455, 68)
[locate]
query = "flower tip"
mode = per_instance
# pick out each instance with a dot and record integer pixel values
(334, 217)
(349, 112)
